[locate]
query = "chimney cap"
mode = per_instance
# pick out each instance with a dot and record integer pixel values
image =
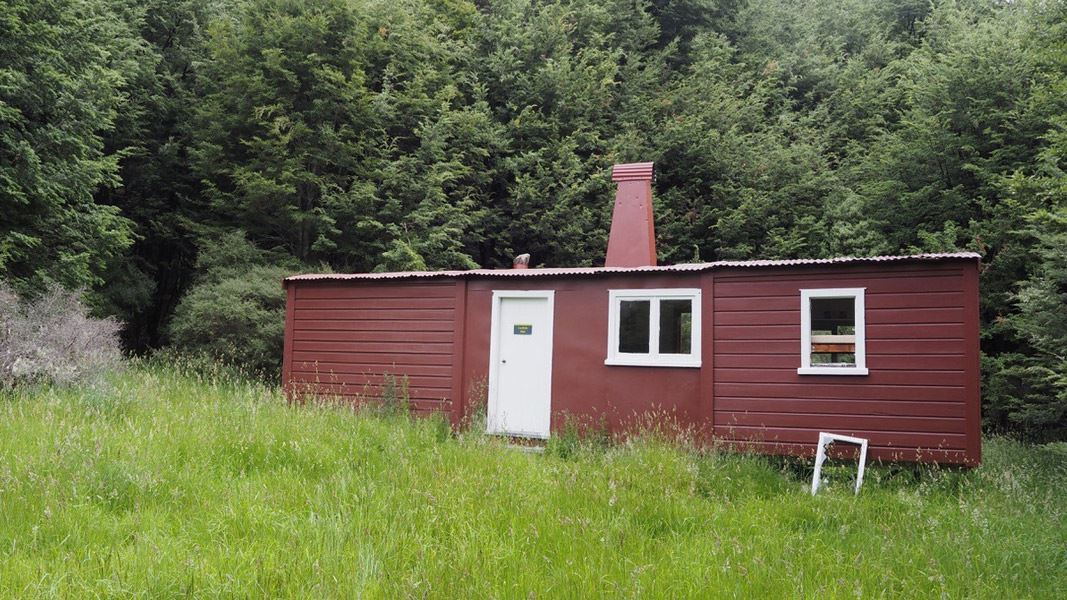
(632, 172)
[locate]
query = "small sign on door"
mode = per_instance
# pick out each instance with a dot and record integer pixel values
(523, 329)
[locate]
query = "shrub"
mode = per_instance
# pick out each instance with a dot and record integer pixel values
(239, 319)
(52, 339)
(235, 312)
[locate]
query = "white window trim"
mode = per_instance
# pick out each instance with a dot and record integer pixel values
(857, 295)
(653, 358)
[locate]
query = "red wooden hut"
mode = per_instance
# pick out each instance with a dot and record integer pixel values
(763, 354)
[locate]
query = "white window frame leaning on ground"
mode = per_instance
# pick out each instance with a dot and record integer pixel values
(653, 358)
(857, 295)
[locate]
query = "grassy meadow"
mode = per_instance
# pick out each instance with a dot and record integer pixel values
(171, 485)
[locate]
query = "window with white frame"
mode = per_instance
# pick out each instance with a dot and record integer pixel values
(654, 328)
(832, 332)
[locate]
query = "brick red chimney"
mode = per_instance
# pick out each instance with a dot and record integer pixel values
(632, 242)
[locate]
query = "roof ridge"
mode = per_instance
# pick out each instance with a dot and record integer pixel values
(681, 267)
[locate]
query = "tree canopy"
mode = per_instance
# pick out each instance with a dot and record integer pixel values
(363, 135)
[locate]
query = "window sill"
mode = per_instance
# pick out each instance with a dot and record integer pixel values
(627, 362)
(831, 371)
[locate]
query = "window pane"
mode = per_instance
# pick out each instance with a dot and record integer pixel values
(675, 326)
(633, 326)
(833, 332)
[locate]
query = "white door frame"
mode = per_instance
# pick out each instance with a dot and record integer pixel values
(494, 353)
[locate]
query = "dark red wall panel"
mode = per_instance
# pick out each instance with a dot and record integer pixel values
(914, 402)
(583, 387)
(343, 338)
(920, 400)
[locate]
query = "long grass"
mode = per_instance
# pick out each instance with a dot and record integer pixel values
(172, 485)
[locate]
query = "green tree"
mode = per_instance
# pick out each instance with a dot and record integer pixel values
(1025, 285)
(160, 192)
(1027, 386)
(340, 131)
(556, 75)
(281, 125)
(739, 174)
(235, 311)
(964, 124)
(62, 74)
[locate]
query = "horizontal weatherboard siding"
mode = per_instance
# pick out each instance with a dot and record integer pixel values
(918, 401)
(346, 339)
(914, 399)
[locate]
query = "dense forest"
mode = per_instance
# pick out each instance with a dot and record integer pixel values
(176, 158)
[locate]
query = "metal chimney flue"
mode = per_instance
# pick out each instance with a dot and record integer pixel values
(632, 242)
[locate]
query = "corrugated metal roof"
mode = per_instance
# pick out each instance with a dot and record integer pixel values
(929, 256)
(687, 267)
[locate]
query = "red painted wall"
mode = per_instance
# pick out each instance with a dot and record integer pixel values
(583, 386)
(343, 337)
(919, 402)
(920, 398)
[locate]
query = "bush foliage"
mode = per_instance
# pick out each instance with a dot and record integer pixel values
(53, 339)
(1027, 389)
(236, 310)
(372, 135)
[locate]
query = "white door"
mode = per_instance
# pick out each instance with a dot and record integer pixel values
(520, 364)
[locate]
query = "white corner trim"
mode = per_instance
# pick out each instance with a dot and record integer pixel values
(653, 358)
(857, 294)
